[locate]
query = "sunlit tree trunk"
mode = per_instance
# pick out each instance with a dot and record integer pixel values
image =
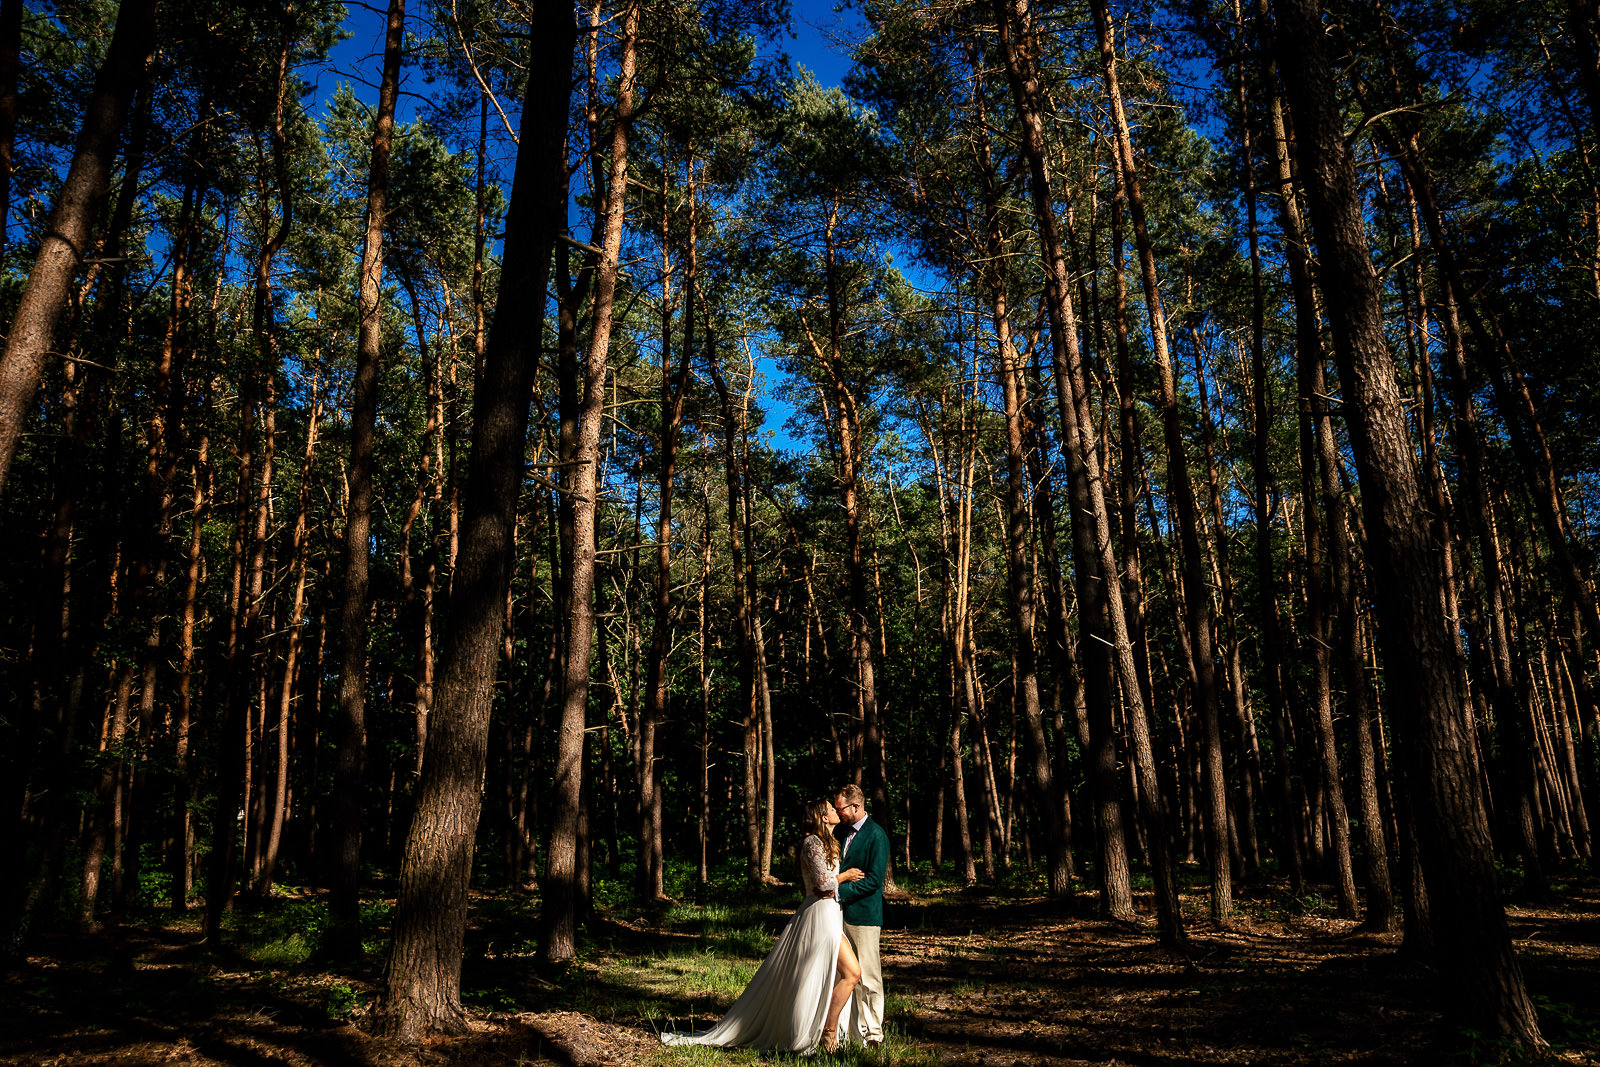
(300, 559)
(1195, 595)
(248, 583)
(66, 240)
(1091, 524)
(566, 879)
(345, 903)
(748, 698)
(1476, 959)
(422, 980)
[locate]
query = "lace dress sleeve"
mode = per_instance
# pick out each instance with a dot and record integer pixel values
(820, 876)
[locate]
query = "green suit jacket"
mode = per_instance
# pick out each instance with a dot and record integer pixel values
(862, 902)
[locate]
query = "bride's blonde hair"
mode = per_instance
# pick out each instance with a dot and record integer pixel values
(816, 822)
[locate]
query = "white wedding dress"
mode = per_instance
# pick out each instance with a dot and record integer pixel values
(786, 1003)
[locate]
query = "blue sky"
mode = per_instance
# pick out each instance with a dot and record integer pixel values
(819, 40)
(814, 31)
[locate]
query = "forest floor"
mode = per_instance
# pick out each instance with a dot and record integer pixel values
(997, 977)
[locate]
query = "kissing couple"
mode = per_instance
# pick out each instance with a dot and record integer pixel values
(827, 957)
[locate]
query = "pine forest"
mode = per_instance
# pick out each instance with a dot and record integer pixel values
(473, 471)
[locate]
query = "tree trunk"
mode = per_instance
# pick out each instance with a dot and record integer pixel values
(566, 881)
(180, 858)
(248, 584)
(651, 885)
(1308, 344)
(702, 621)
(1098, 583)
(300, 559)
(1474, 946)
(748, 707)
(849, 459)
(1011, 371)
(66, 241)
(422, 981)
(345, 901)
(1261, 426)
(1332, 511)
(1195, 595)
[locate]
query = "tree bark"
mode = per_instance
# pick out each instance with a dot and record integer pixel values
(1096, 571)
(673, 381)
(247, 584)
(1476, 958)
(67, 235)
(345, 901)
(1196, 597)
(566, 880)
(422, 981)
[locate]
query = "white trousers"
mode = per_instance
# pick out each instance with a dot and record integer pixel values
(866, 1006)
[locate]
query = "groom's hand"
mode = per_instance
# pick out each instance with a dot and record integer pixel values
(854, 874)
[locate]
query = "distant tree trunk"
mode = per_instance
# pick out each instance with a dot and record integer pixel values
(1476, 958)
(1098, 582)
(1324, 522)
(744, 629)
(1308, 343)
(1105, 784)
(651, 885)
(830, 353)
(1011, 370)
(422, 981)
(67, 235)
(40, 770)
(956, 536)
(703, 809)
(1013, 385)
(763, 692)
(138, 551)
(566, 881)
(1261, 425)
(345, 902)
(300, 559)
(988, 789)
(248, 584)
(1218, 546)
(180, 858)
(1195, 595)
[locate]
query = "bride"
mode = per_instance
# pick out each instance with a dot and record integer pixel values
(795, 999)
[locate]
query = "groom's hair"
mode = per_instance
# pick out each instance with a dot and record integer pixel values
(852, 793)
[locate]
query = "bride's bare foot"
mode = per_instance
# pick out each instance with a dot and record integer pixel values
(830, 1041)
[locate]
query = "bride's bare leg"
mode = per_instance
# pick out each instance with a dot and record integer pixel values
(849, 972)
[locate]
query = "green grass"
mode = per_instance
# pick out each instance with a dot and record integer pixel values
(291, 928)
(698, 982)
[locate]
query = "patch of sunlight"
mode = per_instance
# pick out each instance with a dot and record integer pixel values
(751, 941)
(893, 1051)
(287, 952)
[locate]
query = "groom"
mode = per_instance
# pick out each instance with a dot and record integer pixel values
(863, 858)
